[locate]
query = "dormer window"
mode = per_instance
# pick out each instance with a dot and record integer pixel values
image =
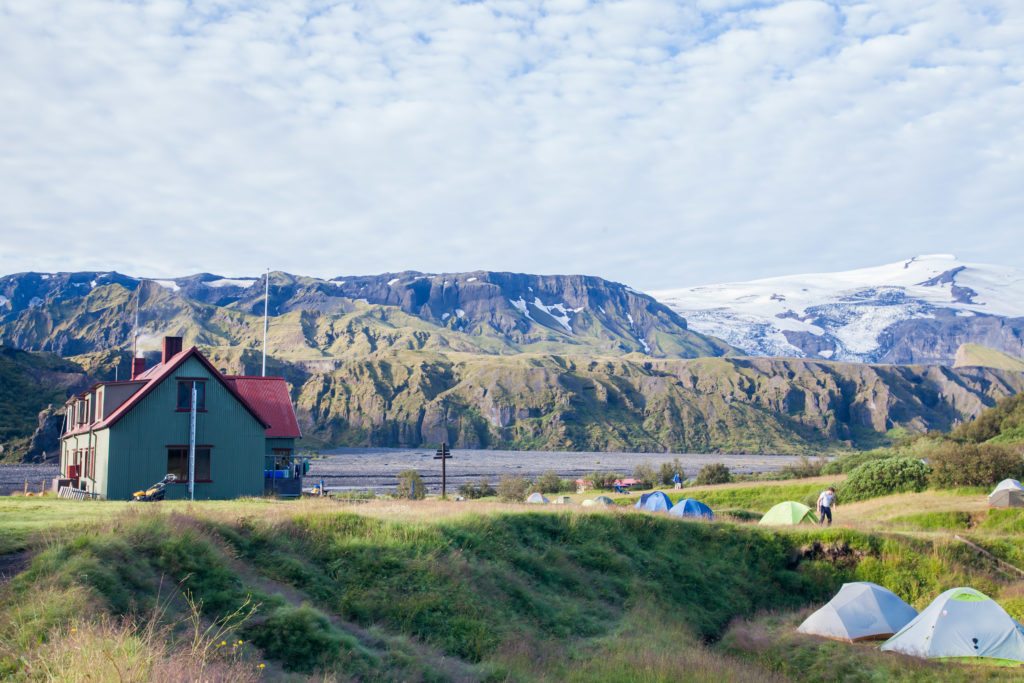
(185, 394)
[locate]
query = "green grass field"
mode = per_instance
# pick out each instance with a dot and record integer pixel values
(434, 590)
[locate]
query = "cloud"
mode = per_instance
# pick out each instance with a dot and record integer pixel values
(652, 142)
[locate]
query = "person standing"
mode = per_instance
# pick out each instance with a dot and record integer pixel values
(826, 501)
(677, 481)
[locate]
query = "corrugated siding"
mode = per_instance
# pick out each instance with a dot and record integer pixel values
(139, 442)
(99, 441)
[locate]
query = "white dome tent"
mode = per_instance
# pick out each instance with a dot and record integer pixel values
(859, 611)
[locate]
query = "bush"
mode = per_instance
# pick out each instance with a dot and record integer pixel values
(602, 480)
(967, 464)
(803, 468)
(882, 477)
(303, 639)
(645, 474)
(481, 489)
(550, 482)
(410, 485)
(715, 473)
(513, 489)
(668, 470)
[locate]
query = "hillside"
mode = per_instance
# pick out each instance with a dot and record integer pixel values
(313, 319)
(1003, 423)
(916, 311)
(978, 356)
(436, 591)
(29, 383)
(579, 403)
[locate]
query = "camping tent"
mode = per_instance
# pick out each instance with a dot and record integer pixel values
(1007, 498)
(859, 611)
(789, 513)
(600, 500)
(563, 500)
(656, 501)
(537, 498)
(688, 507)
(1007, 494)
(1008, 484)
(962, 622)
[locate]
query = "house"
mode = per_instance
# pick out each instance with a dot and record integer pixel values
(121, 437)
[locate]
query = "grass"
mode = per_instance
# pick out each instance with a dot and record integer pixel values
(435, 590)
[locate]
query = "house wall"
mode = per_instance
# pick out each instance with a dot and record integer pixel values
(99, 440)
(139, 441)
(273, 443)
(116, 394)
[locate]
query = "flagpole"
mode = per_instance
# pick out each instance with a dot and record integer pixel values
(266, 309)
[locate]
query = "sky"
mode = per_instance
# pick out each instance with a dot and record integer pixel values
(655, 143)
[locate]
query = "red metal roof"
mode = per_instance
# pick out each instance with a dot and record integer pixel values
(156, 374)
(270, 399)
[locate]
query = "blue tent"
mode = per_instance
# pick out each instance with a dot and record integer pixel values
(656, 501)
(688, 507)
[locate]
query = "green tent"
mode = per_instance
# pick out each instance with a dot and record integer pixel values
(789, 513)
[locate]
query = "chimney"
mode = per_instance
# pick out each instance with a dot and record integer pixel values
(138, 366)
(172, 347)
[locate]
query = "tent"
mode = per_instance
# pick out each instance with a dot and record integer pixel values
(537, 498)
(1008, 484)
(600, 500)
(789, 513)
(962, 622)
(1007, 494)
(656, 501)
(859, 611)
(563, 500)
(1007, 498)
(688, 507)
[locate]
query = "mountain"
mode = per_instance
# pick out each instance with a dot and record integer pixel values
(916, 311)
(319, 320)
(29, 384)
(977, 356)
(753, 405)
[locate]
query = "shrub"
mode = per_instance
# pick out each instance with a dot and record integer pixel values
(715, 473)
(602, 480)
(410, 485)
(803, 468)
(966, 464)
(882, 477)
(668, 470)
(513, 489)
(303, 639)
(550, 482)
(481, 489)
(646, 475)
(1005, 416)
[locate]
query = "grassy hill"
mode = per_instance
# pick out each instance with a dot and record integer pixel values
(976, 355)
(473, 591)
(1004, 423)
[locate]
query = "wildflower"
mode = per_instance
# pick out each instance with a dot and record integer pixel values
(74, 629)
(262, 666)
(223, 643)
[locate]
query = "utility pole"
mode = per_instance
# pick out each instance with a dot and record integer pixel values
(266, 311)
(443, 454)
(192, 445)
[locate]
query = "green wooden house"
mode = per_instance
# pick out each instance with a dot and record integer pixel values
(121, 437)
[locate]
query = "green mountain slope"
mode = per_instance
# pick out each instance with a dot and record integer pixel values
(976, 355)
(29, 382)
(1003, 423)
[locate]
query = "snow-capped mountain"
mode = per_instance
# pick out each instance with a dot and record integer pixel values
(915, 311)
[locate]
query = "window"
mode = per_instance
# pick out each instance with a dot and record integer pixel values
(177, 463)
(185, 394)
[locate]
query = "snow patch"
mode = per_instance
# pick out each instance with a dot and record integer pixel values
(35, 302)
(445, 316)
(472, 279)
(460, 313)
(557, 311)
(391, 282)
(520, 305)
(4, 300)
(45, 276)
(168, 284)
(228, 282)
(92, 285)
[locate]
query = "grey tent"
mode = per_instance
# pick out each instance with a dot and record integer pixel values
(1007, 498)
(537, 498)
(600, 500)
(859, 611)
(962, 622)
(1007, 494)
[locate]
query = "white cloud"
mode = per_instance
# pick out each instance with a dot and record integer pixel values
(652, 142)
